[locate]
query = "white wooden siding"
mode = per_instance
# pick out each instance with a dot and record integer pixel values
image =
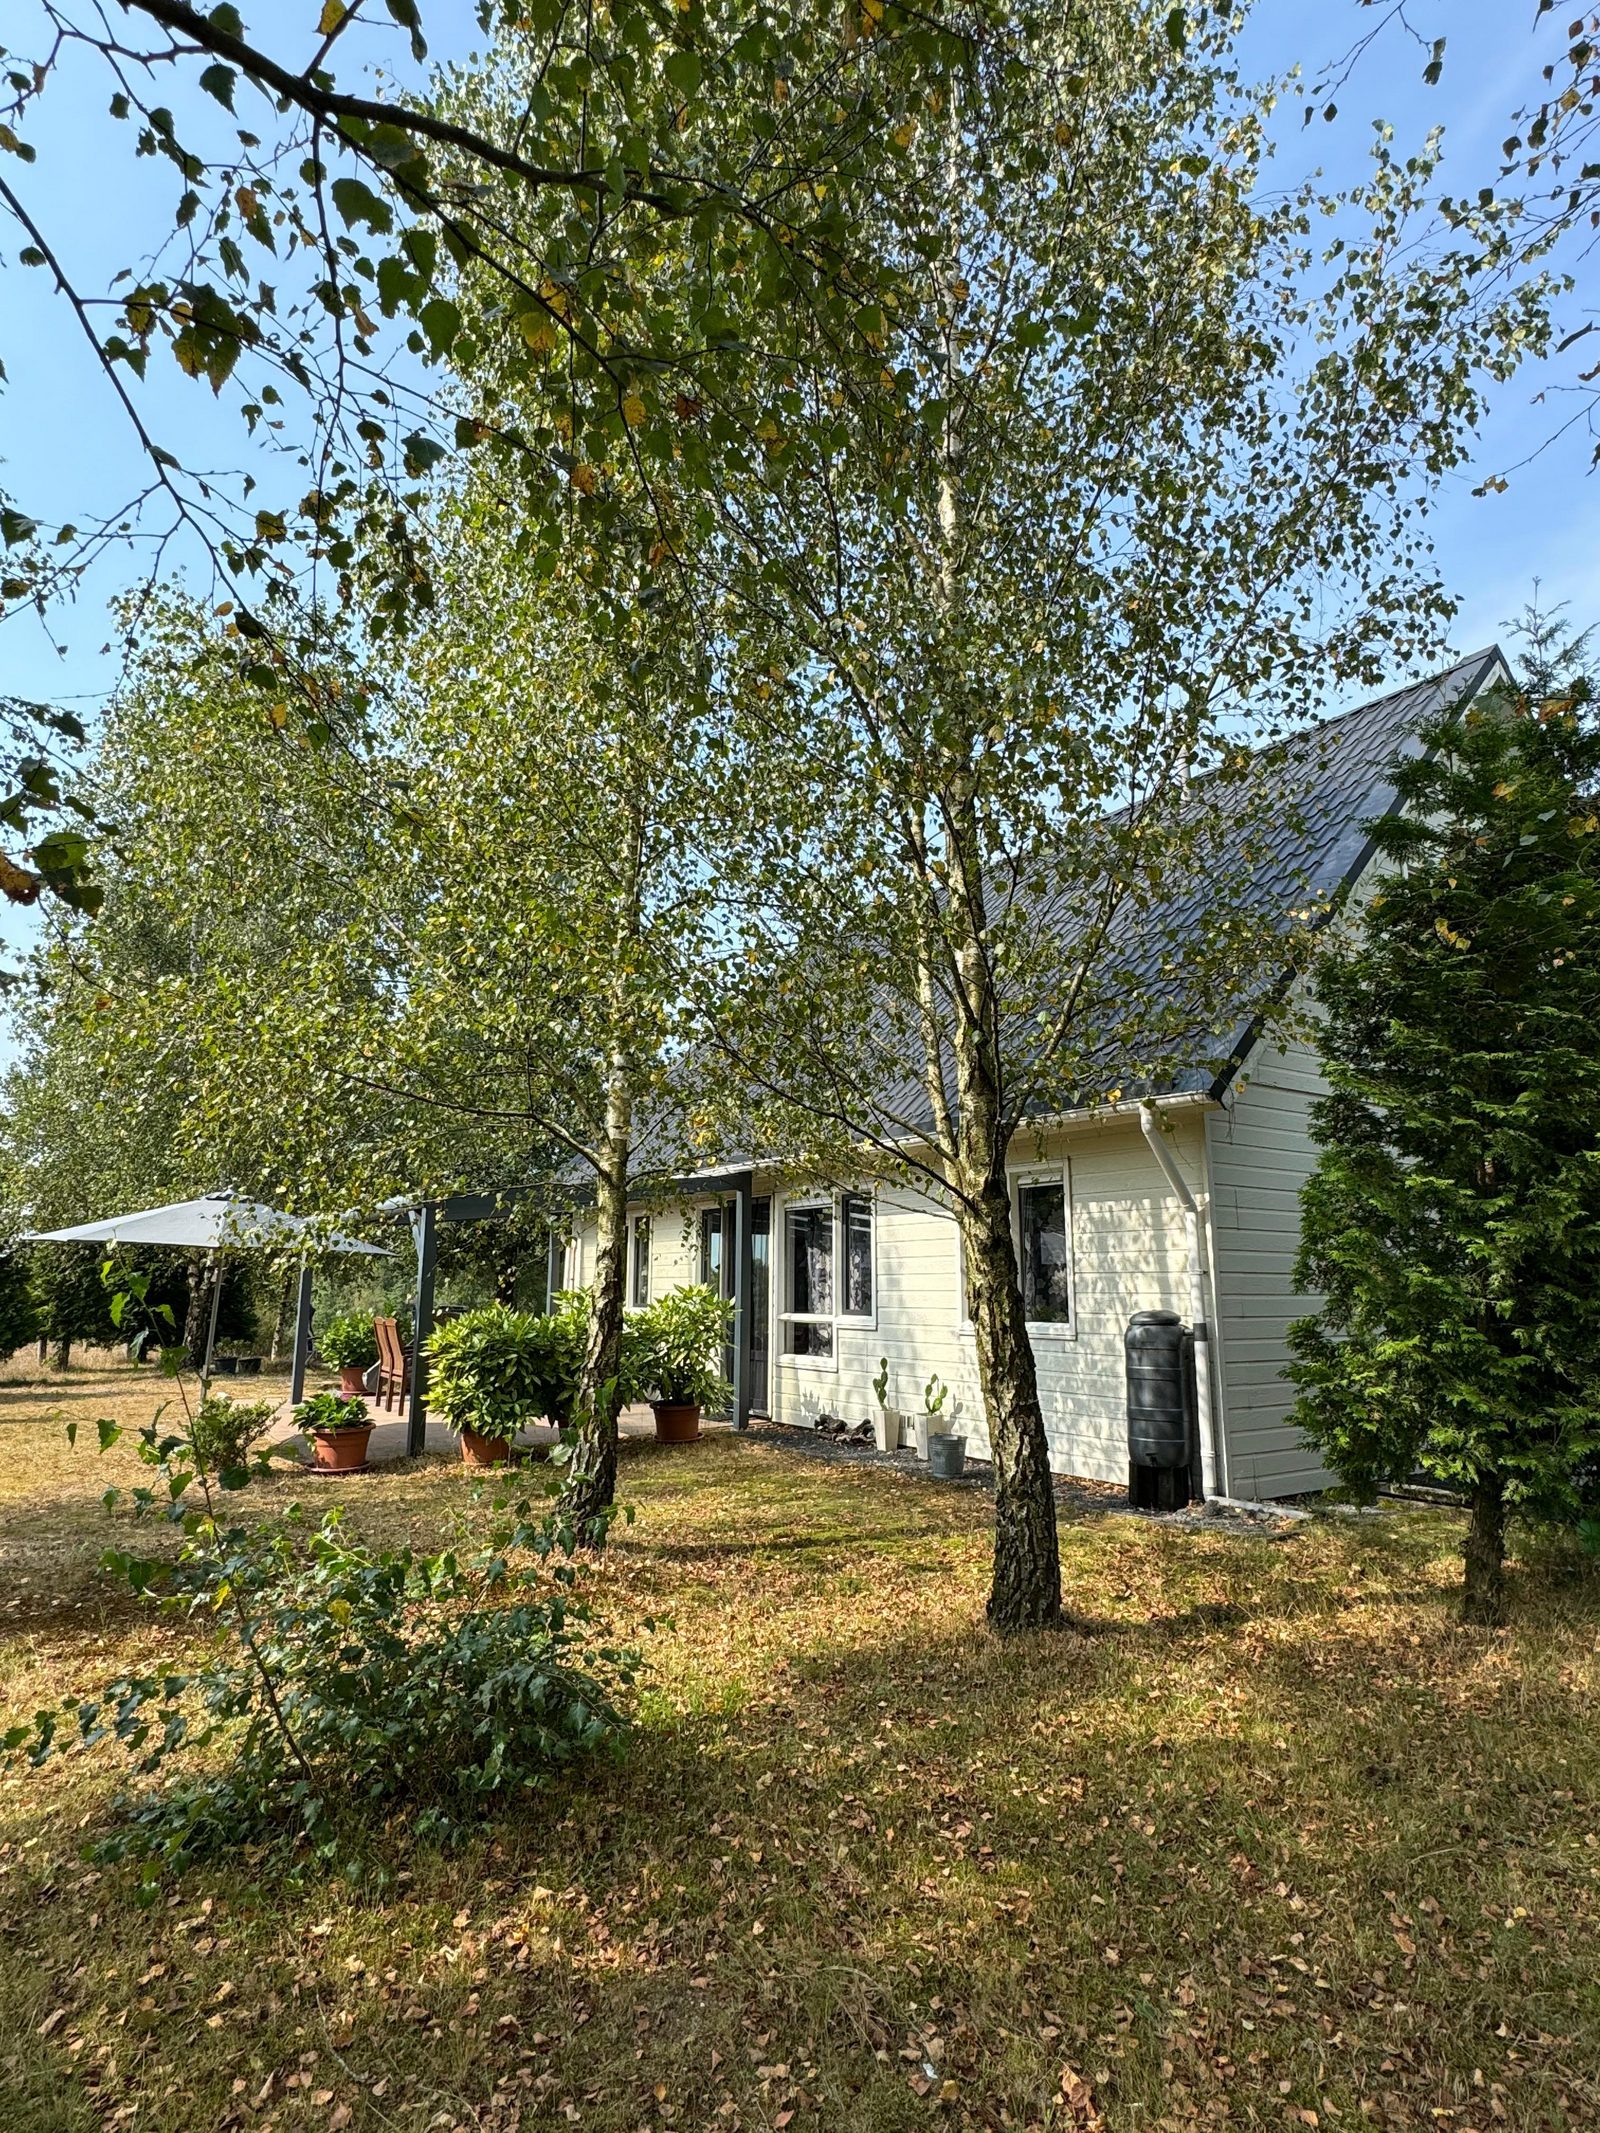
(1261, 1153)
(1129, 1254)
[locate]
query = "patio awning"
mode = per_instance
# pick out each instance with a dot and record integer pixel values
(221, 1222)
(217, 1221)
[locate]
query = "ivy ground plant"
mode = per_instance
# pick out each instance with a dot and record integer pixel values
(334, 1682)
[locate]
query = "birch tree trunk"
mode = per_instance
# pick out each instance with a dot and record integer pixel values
(1026, 1589)
(592, 1477)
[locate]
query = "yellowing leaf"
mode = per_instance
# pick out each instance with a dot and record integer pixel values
(333, 13)
(633, 410)
(584, 479)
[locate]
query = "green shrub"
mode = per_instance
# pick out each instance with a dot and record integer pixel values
(369, 1681)
(349, 1342)
(494, 1369)
(672, 1350)
(223, 1431)
(325, 1410)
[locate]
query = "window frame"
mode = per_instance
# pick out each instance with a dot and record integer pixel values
(563, 1263)
(639, 1224)
(1048, 1174)
(787, 1316)
(837, 1320)
(1039, 1329)
(865, 1321)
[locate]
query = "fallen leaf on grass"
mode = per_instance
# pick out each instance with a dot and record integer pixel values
(1083, 2113)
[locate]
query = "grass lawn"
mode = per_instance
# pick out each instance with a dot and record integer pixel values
(1279, 1845)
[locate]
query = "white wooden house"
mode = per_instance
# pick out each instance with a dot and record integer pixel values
(825, 1283)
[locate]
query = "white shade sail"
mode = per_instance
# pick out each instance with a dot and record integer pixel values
(217, 1221)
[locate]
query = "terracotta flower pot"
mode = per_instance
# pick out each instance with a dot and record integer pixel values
(352, 1380)
(483, 1451)
(340, 1451)
(677, 1421)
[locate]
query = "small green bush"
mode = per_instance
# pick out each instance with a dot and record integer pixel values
(672, 1350)
(349, 1342)
(494, 1369)
(342, 1684)
(223, 1431)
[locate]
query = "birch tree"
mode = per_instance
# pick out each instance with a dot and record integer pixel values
(559, 788)
(1139, 466)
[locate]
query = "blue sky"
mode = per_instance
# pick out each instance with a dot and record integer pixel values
(66, 449)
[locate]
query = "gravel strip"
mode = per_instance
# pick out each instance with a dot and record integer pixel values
(1076, 1496)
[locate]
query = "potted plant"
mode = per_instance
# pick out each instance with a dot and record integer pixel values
(494, 1369)
(340, 1431)
(350, 1344)
(931, 1422)
(670, 1356)
(887, 1427)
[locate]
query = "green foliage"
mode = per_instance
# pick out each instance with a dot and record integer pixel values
(348, 1342)
(72, 1300)
(494, 1369)
(19, 1304)
(326, 1411)
(672, 1350)
(335, 1681)
(1453, 1219)
(224, 1430)
(934, 1395)
(346, 1681)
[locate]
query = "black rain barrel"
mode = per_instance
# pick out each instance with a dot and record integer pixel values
(1156, 1349)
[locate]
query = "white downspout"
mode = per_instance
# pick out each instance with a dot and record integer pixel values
(1205, 1423)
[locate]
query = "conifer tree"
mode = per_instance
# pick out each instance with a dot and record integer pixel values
(1453, 1220)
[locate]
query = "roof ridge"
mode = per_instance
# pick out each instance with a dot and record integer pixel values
(1477, 659)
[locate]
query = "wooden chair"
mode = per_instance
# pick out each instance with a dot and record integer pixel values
(394, 1365)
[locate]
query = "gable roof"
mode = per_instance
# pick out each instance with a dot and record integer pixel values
(1291, 836)
(1334, 785)
(1327, 783)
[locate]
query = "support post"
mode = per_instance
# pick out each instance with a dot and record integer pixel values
(302, 1336)
(426, 1231)
(211, 1323)
(743, 1318)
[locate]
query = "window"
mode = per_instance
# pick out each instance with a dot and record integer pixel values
(855, 1223)
(1043, 1233)
(1045, 1249)
(561, 1270)
(829, 1272)
(641, 1261)
(808, 1274)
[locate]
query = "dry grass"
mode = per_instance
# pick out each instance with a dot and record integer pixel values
(1280, 1845)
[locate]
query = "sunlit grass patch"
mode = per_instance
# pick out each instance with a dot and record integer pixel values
(1277, 1839)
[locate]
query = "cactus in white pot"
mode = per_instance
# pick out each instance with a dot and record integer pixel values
(889, 1424)
(932, 1421)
